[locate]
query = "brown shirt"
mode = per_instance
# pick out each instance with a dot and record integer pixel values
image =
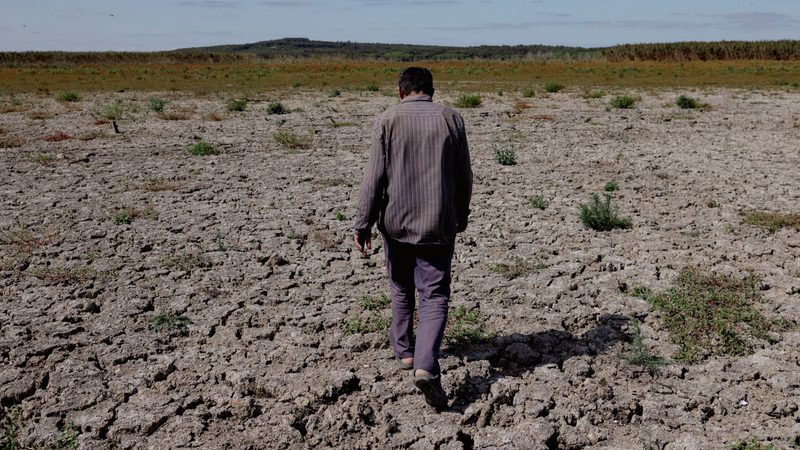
(418, 182)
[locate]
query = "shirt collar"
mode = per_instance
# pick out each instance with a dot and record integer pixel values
(417, 98)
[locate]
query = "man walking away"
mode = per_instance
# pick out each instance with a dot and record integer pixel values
(417, 188)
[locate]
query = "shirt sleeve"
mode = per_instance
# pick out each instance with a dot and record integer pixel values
(463, 178)
(374, 184)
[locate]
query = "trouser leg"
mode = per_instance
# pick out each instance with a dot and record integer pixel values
(400, 267)
(432, 279)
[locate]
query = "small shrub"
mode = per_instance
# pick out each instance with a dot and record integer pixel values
(602, 216)
(623, 102)
(236, 104)
(335, 93)
(772, 221)
(157, 104)
(170, 321)
(640, 355)
(277, 108)
(685, 102)
(203, 148)
(127, 214)
(11, 424)
(187, 262)
(538, 202)
(753, 444)
(468, 101)
(292, 141)
(68, 439)
(553, 87)
(595, 94)
(465, 327)
(505, 155)
(112, 112)
(611, 186)
(160, 184)
(711, 314)
(68, 96)
(528, 93)
(339, 216)
(373, 87)
(518, 267)
(374, 302)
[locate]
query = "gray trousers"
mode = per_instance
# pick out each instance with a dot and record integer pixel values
(426, 269)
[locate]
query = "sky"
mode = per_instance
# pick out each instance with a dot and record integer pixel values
(169, 24)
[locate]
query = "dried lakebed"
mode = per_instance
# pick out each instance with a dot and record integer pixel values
(104, 232)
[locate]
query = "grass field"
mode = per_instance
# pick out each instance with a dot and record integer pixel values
(359, 75)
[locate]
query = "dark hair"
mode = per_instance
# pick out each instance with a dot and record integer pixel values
(416, 79)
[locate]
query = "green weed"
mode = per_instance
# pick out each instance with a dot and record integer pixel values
(277, 108)
(711, 314)
(374, 324)
(11, 424)
(468, 101)
(68, 96)
(538, 202)
(602, 216)
(170, 321)
(335, 93)
(518, 267)
(236, 104)
(374, 302)
(553, 87)
(623, 102)
(772, 221)
(340, 216)
(611, 186)
(528, 93)
(685, 102)
(68, 439)
(640, 355)
(505, 155)
(203, 148)
(292, 141)
(465, 327)
(753, 444)
(157, 104)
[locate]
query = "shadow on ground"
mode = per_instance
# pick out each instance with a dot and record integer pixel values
(515, 354)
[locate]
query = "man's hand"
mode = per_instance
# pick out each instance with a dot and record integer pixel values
(363, 244)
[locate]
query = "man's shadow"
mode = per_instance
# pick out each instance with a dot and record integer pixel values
(515, 354)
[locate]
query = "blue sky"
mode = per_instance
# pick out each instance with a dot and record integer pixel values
(169, 24)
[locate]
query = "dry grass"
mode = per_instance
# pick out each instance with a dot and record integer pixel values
(3, 130)
(23, 240)
(57, 137)
(214, 117)
(12, 107)
(40, 115)
(161, 184)
(520, 106)
(11, 142)
(345, 74)
(175, 115)
(772, 221)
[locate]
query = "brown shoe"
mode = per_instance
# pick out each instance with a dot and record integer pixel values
(404, 365)
(431, 387)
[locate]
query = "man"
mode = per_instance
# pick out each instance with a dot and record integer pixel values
(417, 188)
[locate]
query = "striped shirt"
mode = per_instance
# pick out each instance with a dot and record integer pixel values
(418, 181)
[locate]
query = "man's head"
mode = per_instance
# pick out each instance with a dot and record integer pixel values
(417, 80)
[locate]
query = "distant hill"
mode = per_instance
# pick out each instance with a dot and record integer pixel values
(302, 47)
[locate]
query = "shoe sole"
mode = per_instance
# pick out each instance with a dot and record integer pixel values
(433, 397)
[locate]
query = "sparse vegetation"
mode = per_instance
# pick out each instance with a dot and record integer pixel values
(170, 321)
(68, 96)
(40, 115)
(772, 221)
(623, 102)
(11, 142)
(538, 202)
(553, 87)
(291, 140)
(11, 423)
(158, 184)
(67, 276)
(57, 137)
(505, 155)
(236, 104)
(602, 216)
(203, 148)
(595, 94)
(157, 104)
(186, 263)
(753, 444)
(708, 314)
(113, 113)
(126, 215)
(43, 158)
(611, 186)
(640, 355)
(335, 93)
(528, 92)
(685, 102)
(340, 216)
(373, 87)
(468, 101)
(465, 326)
(23, 240)
(374, 302)
(277, 108)
(68, 439)
(518, 267)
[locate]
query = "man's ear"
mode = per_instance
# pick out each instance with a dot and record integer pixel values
(400, 93)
